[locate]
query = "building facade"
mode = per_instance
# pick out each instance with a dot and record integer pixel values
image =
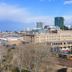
(59, 22)
(39, 25)
(61, 39)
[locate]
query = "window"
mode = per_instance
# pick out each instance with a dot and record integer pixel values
(48, 43)
(57, 43)
(69, 42)
(64, 43)
(65, 47)
(68, 46)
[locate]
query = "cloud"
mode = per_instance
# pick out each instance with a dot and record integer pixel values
(21, 15)
(45, 19)
(12, 12)
(68, 2)
(68, 20)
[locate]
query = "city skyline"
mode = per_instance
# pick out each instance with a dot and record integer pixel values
(27, 12)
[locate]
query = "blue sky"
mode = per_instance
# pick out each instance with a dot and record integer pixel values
(43, 7)
(25, 13)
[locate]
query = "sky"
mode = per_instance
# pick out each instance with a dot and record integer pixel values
(21, 14)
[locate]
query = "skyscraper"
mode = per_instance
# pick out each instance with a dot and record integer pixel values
(39, 25)
(59, 22)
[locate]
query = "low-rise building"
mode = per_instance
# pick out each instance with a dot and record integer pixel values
(58, 39)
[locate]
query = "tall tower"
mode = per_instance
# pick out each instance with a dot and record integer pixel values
(39, 25)
(59, 22)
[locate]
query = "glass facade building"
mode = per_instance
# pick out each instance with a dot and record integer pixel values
(59, 22)
(39, 25)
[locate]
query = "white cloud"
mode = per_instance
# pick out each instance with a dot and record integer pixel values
(22, 15)
(68, 2)
(14, 13)
(68, 20)
(46, 19)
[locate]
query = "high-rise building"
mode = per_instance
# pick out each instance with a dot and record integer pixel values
(46, 27)
(39, 25)
(59, 22)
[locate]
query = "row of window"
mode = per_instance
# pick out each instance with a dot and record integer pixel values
(56, 43)
(65, 47)
(60, 43)
(69, 42)
(58, 49)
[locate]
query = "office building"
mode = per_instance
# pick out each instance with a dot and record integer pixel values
(39, 25)
(59, 22)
